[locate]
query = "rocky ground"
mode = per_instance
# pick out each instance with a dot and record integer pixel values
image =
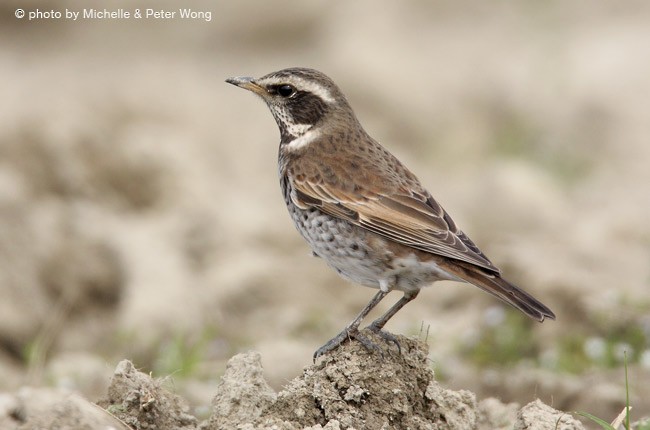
(141, 219)
(351, 388)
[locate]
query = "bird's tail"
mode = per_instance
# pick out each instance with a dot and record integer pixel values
(494, 284)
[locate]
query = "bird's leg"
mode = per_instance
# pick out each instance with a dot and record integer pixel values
(380, 322)
(352, 329)
(377, 325)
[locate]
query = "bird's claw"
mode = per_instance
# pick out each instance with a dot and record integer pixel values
(388, 337)
(352, 333)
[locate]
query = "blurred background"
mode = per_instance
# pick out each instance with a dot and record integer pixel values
(141, 216)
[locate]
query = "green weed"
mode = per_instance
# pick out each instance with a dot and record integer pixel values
(624, 417)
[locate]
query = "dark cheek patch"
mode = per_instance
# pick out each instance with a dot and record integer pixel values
(306, 108)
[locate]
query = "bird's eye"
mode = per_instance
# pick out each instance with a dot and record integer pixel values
(286, 90)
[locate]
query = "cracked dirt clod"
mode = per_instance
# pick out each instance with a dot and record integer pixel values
(539, 416)
(354, 388)
(141, 402)
(242, 394)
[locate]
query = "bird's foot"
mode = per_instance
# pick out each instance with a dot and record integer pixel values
(346, 334)
(388, 337)
(336, 341)
(353, 333)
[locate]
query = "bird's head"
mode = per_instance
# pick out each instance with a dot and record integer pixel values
(300, 100)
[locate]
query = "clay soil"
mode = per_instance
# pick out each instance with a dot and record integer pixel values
(350, 388)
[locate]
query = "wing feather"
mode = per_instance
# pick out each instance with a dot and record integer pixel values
(411, 220)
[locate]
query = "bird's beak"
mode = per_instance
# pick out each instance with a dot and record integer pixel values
(248, 84)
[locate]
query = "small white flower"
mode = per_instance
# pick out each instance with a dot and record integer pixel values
(595, 348)
(494, 316)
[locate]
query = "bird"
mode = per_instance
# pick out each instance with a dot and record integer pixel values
(363, 211)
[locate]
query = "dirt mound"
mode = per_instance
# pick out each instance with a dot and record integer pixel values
(350, 388)
(143, 403)
(363, 389)
(353, 388)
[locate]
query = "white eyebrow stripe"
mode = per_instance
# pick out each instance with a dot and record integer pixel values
(316, 89)
(304, 85)
(304, 140)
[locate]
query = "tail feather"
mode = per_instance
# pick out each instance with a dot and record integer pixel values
(494, 284)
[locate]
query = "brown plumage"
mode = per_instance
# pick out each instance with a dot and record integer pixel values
(361, 209)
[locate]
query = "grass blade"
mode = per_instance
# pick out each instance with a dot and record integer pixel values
(627, 395)
(604, 424)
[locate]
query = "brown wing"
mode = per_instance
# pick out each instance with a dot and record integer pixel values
(379, 194)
